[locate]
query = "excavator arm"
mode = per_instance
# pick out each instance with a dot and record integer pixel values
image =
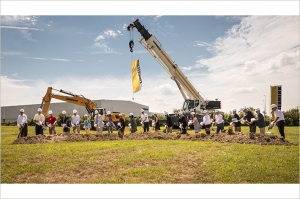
(71, 98)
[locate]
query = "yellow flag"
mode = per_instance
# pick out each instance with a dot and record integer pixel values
(136, 76)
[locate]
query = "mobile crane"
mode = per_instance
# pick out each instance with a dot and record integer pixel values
(193, 101)
(80, 100)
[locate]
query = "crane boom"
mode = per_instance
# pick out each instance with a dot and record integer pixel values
(193, 100)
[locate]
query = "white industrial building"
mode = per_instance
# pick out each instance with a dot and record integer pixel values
(10, 113)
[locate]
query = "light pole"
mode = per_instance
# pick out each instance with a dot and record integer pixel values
(265, 105)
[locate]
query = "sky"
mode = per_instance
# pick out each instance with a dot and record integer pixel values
(234, 58)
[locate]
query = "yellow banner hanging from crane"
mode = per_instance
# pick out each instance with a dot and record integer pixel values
(136, 76)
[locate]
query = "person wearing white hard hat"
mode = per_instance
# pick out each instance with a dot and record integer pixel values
(22, 124)
(87, 124)
(279, 119)
(182, 123)
(121, 126)
(206, 122)
(98, 122)
(132, 123)
(75, 122)
(51, 122)
(145, 121)
(110, 124)
(39, 120)
(219, 121)
(65, 122)
(195, 122)
(260, 122)
(236, 121)
(251, 121)
(169, 123)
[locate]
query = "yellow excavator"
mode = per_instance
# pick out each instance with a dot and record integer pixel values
(80, 100)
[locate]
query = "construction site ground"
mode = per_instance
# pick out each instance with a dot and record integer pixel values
(238, 137)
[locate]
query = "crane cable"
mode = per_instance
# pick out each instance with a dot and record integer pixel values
(131, 45)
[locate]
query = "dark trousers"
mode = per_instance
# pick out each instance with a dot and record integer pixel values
(220, 127)
(146, 127)
(280, 125)
(121, 132)
(207, 128)
(38, 129)
(252, 128)
(24, 130)
(183, 130)
(66, 129)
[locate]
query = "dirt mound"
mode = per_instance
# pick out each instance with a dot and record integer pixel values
(242, 138)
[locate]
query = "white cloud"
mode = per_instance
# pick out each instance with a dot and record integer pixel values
(19, 28)
(57, 59)
(254, 38)
(16, 53)
(78, 60)
(22, 23)
(165, 89)
(15, 74)
(244, 90)
(157, 17)
(100, 61)
(101, 41)
(38, 58)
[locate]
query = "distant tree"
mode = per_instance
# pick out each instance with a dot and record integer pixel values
(176, 111)
(291, 117)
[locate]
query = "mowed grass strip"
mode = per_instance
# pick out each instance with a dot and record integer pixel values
(148, 161)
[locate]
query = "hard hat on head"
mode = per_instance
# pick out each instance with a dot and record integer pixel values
(233, 110)
(85, 115)
(205, 111)
(96, 112)
(108, 113)
(142, 110)
(193, 113)
(39, 110)
(22, 110)
(74, 111)
(217, 111)
(50, 112)
(257, 109)
(120, 114)
(63, 112)
(244, 108)
(273, 106)
(180, 113)
(131, 114)
(166, 113)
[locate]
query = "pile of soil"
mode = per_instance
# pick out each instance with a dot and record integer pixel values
(242, 138)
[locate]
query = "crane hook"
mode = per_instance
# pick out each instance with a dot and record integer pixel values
(131, 45)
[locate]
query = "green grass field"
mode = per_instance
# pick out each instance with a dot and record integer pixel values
(148, 161)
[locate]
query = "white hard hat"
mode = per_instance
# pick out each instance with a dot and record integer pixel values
(193, 113)
(22, 110)
(257, 109)
(39, 110)
(205, 111)
(180, 113)
(253, 119)
(233, 110)
(166, 113)
(63, 112)
(142, 110)
(74, 111)
(120, 114)
(273, 106)
(217, 111)
(131, 114)
(96, 112)
(50, 112)
(244, 108)
(108, 113)
(85, 115)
